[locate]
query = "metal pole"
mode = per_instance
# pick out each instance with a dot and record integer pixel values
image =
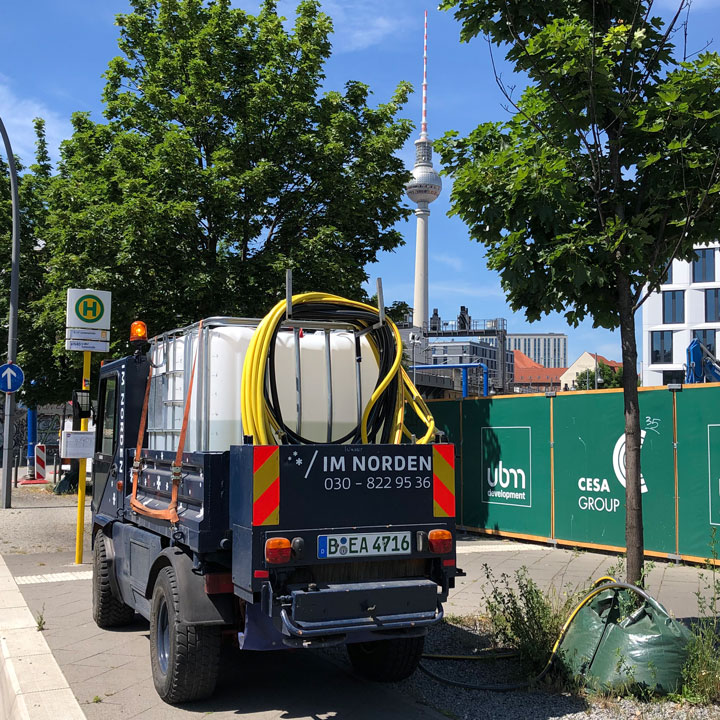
(596, 382)
(31, 441)
(80, 529)
(5, 495)
(413, 342)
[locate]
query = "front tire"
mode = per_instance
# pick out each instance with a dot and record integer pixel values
(387, 660)
(184, 657)
(108, 610)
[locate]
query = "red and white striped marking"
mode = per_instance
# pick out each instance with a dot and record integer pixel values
(423, 127)
(40, 464)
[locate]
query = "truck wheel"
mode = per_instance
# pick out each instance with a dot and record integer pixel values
(184, 657)
(108, 611)
(387, 660)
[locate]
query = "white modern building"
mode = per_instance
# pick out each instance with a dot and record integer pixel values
(686, 307)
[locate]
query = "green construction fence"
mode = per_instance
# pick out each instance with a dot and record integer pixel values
(552, 468)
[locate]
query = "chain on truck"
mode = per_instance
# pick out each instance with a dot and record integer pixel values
(256, 482)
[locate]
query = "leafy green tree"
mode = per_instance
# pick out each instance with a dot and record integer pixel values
(607, 378)
(220, 165)
(397, 311)
(606, 170)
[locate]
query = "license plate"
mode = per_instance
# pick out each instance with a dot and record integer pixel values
(363, 545)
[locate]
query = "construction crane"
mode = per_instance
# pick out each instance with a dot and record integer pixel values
(702, 365)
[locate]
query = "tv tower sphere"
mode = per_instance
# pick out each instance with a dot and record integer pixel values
(426, 184)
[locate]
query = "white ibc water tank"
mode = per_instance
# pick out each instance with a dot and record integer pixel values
(215, 421)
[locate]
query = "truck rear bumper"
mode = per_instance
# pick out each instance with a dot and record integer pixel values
(377, 623)
(360, 609)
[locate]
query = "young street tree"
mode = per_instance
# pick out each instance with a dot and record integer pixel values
(606, 170)
(220, 165)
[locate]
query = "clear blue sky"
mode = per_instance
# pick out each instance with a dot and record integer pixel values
(53, 54)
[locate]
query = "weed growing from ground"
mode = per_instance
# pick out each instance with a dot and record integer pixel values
(524, 617)
(40, 619)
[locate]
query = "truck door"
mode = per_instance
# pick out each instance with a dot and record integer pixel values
(105, 467)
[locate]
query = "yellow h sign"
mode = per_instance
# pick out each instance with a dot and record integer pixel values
(89, 308)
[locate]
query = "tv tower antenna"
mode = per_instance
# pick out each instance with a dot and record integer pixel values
(422, 190)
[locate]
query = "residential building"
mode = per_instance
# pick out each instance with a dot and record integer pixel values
(687, 306)
(531, 376)
(547, 349)
(586, 363)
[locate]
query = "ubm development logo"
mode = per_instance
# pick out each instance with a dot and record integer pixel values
(506, 465)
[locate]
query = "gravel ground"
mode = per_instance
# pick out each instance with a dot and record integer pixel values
(539, 704)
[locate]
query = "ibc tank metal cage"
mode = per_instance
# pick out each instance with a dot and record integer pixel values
(172, 355)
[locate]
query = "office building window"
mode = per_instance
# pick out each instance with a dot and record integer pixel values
(704, 266)
(673, 306)
(707, 338)
(661, 346)
(712, 305)
(669, 276)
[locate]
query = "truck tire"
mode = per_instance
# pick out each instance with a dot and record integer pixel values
(185, 658)
(108, 610)
(387, 660)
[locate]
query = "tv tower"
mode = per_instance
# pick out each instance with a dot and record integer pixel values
(423, 189)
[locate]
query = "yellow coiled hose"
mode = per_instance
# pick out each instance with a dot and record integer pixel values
(259, 420)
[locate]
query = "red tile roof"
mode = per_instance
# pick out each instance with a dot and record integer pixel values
(614, 365)
(527, 371)
(523, 361)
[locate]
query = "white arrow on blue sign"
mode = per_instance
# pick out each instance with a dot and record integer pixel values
(11, 377)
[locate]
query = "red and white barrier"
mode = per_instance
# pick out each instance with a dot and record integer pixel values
(40, 463)
(40, 468)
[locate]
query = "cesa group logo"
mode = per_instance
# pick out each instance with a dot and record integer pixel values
(604, 497)
(619, 461)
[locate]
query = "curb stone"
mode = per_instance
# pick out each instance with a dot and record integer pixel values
(32, 686)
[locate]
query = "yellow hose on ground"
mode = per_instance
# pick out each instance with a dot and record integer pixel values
(259, 422)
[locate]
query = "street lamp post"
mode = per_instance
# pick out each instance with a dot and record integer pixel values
(596, 377)
(12, 321)
(414, 342)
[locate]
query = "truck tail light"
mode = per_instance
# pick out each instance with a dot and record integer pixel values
(441, 541)
(278, 550)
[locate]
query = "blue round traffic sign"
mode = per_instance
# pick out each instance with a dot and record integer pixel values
(11, 377)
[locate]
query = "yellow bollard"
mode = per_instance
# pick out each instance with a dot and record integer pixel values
(80, 530)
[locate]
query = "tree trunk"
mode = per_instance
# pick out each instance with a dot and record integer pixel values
(633, 496)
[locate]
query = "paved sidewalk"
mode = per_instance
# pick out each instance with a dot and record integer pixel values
(109, 672)
(559, 570)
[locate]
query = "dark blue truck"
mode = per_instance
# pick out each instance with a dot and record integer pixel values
(271, 546)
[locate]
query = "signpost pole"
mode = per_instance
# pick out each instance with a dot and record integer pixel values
(5, 491)
(80, 530)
